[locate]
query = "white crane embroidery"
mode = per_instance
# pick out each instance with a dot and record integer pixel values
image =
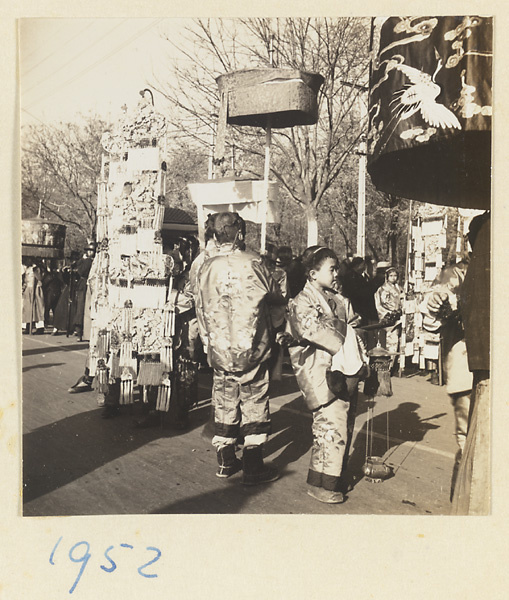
(420, 96)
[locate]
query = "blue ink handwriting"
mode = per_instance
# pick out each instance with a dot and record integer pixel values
(80, 554)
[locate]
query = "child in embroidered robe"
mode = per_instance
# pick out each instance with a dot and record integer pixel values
(326, 358)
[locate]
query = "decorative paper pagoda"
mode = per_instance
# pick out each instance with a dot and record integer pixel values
(132, 321)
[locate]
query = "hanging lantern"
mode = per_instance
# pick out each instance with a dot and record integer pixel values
(164, 394)
(101, 378)
(126, 387)
(151, 370)
(378, 383)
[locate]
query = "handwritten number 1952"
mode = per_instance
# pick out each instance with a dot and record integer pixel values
(80, 559)
(80, 553)
(156, 557)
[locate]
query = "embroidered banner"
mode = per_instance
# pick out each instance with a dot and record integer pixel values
(430, 109)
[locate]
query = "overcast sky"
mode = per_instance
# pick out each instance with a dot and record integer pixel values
(71, 66)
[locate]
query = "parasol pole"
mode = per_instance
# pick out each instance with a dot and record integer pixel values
(361, 199)
(266, 170)
(363, 158)
(265, 200)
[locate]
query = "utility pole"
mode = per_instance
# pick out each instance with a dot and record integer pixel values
(361, 198)
(362, 153)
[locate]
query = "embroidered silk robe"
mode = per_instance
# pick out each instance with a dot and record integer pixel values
(317, 321)
(235, 291)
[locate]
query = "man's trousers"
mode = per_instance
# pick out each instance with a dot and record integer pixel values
(241, 406)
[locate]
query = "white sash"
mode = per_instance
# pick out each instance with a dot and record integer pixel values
(348, 359)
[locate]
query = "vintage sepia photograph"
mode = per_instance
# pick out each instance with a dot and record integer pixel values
(255, 268)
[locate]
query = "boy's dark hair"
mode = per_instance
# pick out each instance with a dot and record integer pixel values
(308, 252)
(391, 270)
(314, 256)
(228, 227)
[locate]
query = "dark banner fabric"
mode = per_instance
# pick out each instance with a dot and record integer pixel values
(430, 109)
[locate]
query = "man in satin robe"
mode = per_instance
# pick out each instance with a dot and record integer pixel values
(234, 296)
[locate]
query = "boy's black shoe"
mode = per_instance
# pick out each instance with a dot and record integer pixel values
(325, 495)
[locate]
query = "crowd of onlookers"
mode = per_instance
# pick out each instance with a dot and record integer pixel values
(53, 294)
(359, 280)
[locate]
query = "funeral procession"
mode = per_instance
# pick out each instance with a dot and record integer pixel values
(255, 268)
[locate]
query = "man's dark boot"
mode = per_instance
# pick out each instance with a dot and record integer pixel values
(151, 419)
(255, 471)
(111, 405)
(229, 464)
(109, 411)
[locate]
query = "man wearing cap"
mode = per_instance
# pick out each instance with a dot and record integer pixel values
(234, 294)
(379, 278)
(358, 290)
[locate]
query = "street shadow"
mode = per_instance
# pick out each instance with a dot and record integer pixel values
(43, 366)
(291, 431)
(404, 425)
(286, 385)
(56, 348)
(227, 499)
(61, 452)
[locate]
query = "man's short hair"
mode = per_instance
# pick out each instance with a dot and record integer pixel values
(357, 261)
(285, 254)
(227, 226)
(209, 227)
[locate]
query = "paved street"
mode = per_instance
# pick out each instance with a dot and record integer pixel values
(76, 463)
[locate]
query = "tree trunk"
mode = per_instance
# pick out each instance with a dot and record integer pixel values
(393, 249)
(312, 221)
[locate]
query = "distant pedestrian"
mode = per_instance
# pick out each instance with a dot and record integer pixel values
(32, 298)
(52, 284)
(211, 249)
(296, 277)
(82, 270)
(388, 301)
(379, 277)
